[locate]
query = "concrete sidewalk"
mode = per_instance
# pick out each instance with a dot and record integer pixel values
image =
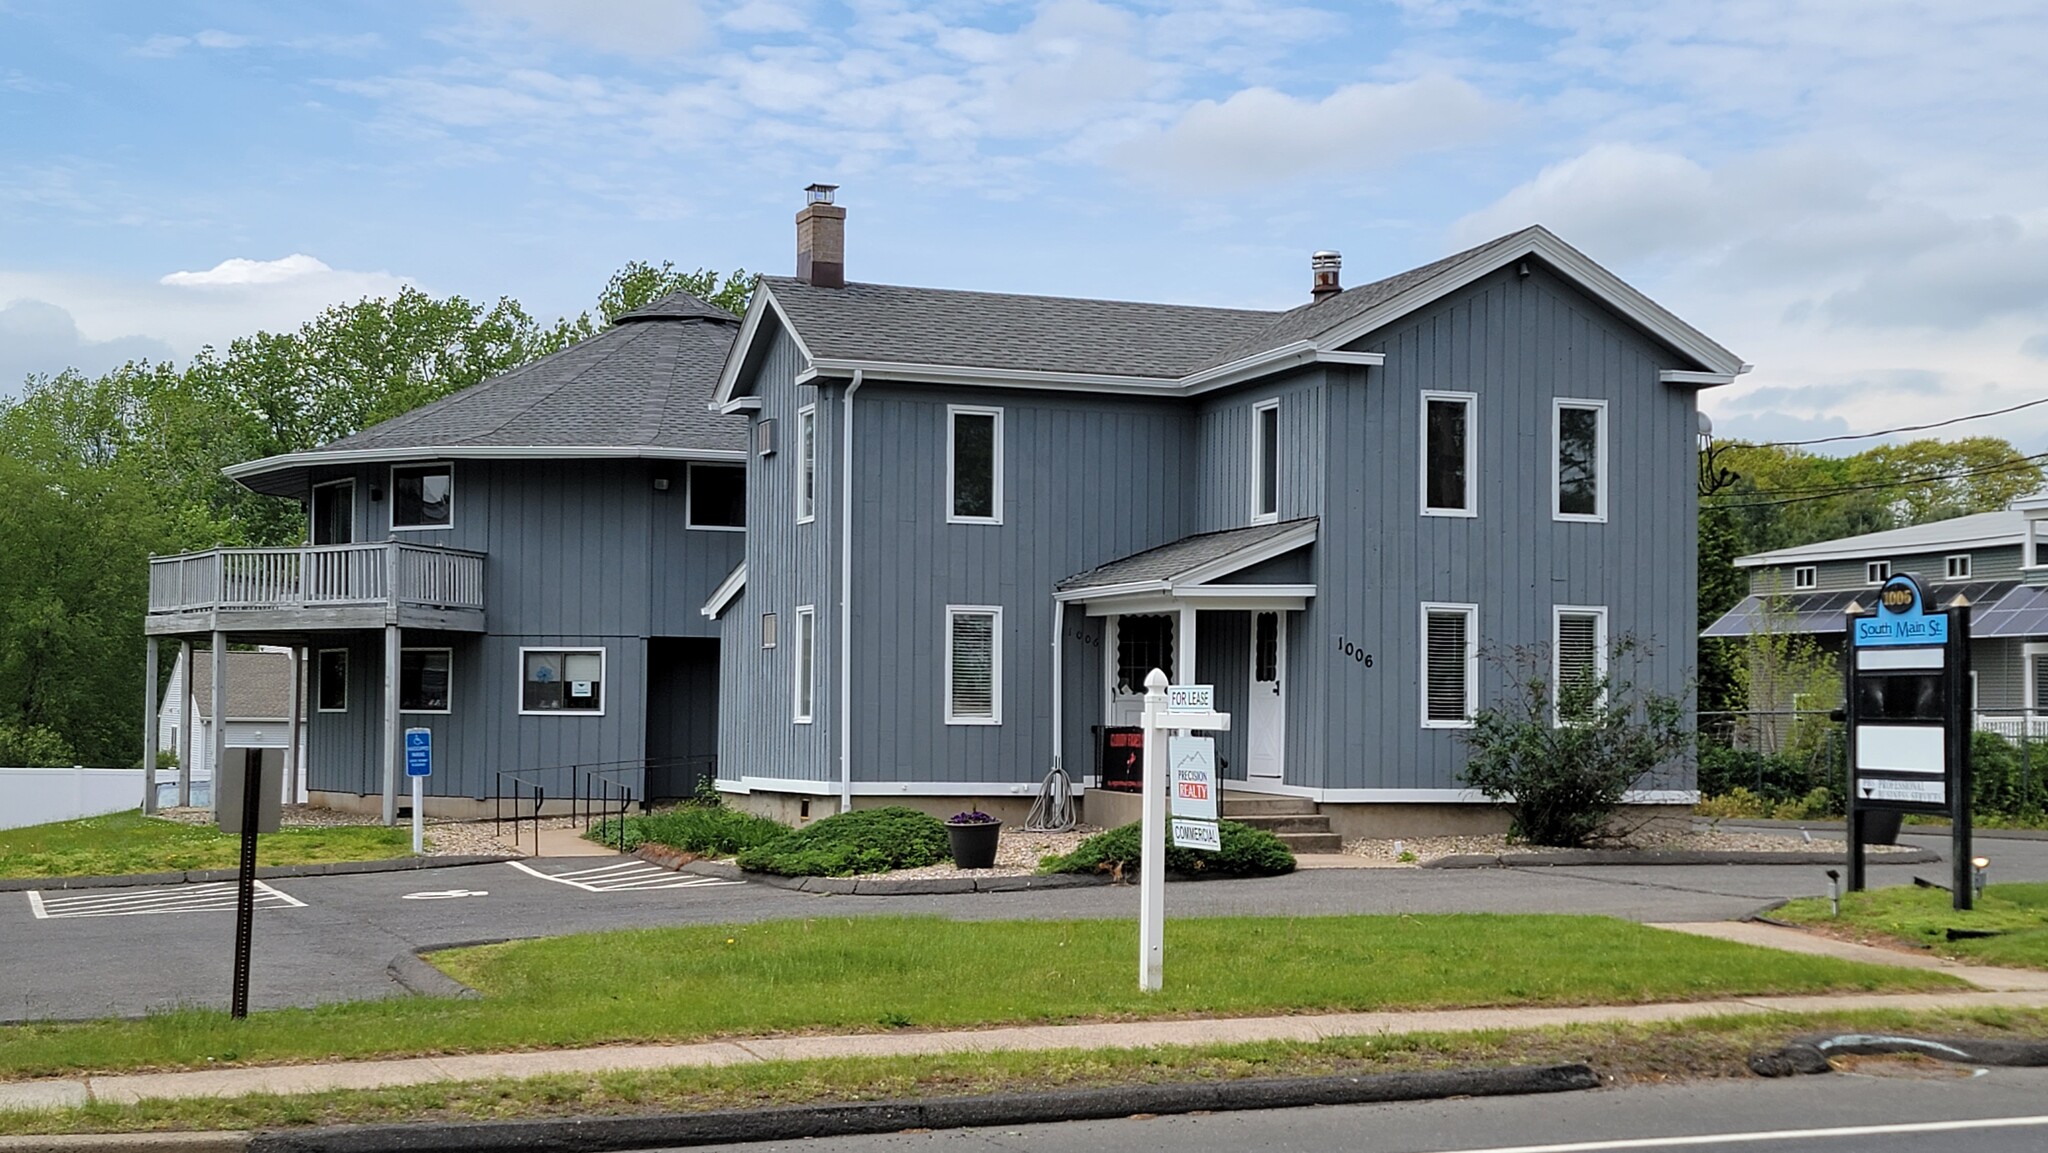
(1996, 988)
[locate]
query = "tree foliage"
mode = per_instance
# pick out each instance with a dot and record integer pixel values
(99, 473)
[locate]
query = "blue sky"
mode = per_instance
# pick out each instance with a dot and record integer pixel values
(1854, 196)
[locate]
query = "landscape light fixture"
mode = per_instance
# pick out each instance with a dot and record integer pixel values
(1982, 876)
(1834, 893)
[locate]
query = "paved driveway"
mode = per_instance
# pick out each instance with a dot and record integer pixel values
(336, 942)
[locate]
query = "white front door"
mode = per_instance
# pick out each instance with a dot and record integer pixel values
(1266, 729)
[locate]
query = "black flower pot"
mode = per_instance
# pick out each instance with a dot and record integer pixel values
(974, 845)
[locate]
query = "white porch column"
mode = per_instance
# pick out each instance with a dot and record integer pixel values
(150, 727)
(185, 674)
(217, 755)
(294, 715)
(391, 729)
(1184, 660)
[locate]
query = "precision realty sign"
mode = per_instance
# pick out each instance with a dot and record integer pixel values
(1908, 713)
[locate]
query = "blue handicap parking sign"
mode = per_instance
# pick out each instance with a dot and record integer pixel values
(419, 752)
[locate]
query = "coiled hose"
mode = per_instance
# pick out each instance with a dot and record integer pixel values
(1053, 811)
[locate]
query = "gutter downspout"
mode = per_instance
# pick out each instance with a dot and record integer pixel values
(846, 600)
(1059, 676)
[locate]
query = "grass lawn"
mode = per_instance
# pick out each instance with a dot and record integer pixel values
(132, 843)
(874, 973)
(1706, 1048)
(1907, 913)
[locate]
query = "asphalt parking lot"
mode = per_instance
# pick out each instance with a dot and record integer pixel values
(333, 938)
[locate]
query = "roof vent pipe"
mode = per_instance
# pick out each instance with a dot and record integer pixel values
(1327, 265)
(821, 239)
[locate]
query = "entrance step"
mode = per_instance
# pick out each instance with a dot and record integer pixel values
(1238, 805)
(1284, 822)
(1299, 843)
(1297, 821)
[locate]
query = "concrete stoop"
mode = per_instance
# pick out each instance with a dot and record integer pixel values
(1297, 821)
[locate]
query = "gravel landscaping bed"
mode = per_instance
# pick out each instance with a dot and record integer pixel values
(1017, 855)
(1387, 852)
(444, 838)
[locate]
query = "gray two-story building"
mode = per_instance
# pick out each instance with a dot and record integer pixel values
(976, 520)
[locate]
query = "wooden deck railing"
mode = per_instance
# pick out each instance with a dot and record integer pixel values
(316, 576)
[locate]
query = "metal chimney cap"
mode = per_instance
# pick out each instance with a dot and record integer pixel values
(1325, 258)
(819, 193)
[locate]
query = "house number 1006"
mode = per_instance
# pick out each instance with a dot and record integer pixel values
(1345, 646)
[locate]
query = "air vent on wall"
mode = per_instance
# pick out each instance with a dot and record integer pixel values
(764, 438)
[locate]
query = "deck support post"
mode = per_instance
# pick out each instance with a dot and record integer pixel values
(217, 753)
(391, 730)
(1184, 656)
(150, 728)
(294, 716)
(185, 674)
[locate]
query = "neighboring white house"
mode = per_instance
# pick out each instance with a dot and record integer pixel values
(258, 713)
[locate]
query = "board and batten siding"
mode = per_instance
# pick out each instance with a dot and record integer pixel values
(1086, 480)
(1517, 343)
(1225, 460)
(788, 564)
(1993, 563)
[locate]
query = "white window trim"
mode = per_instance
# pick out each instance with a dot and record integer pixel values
(690, 503)
(1600, 485)
(771, 634)
(1471, 403)
(391, 496)
(1870, 565)
(1557, 615)
(319, 683)
(1260, 464)
(1949, 566)
(519, 681)
(2028, 651)
(802, 662)
(953, 411)
(995, 716)
(2032, 554)
(807, 464)
(1812, 580)
(1471, 612)
(451, 678)
(313, 504)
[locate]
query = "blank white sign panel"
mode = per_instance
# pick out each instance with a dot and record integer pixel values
(1902, 748)
(1900, 658)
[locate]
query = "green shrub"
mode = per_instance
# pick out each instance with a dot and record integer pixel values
(1723, 769)
(1815, 805)
(2008, 781)
(862, 841)
(1246, 852)
(1736, 803)
(713, 830)
(33, 747)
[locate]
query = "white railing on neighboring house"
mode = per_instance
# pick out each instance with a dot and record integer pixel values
(316, 576)
(2012, 726)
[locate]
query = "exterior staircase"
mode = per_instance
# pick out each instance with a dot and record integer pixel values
(1297, 821)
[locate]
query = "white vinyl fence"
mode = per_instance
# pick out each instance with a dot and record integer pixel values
(38, 796)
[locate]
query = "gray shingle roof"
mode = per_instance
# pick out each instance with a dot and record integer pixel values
(1170, 561)
(2006, 526)
(259, 685)
(645, 382)
(890, 322)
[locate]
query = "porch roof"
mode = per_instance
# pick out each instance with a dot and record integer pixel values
(1191, 560)
(2000, 609)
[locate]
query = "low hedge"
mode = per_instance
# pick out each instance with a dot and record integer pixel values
(1246, 852)
(862, 841)
(712, 830)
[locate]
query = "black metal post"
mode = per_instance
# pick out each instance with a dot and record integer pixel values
(245, 882)
(1963, 879)
(538, 796)
(625, 798)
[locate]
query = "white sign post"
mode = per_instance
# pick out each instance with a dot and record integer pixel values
(419, 765)
(1159, 719)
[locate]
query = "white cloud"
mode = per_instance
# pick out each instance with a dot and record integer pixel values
(165, 44)
(644, 29)
(240, 272)
(1260, 135)
(40, 339)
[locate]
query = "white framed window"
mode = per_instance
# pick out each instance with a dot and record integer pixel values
(717, 499)
(1578, 653)
(769, 625)
(2036, 555)
(330, 677)
(2034, 679)
(806, 464)
(974, 664)
(805, 671)
(1805, 576)
(1959, 567)
(555, 681)
(331, 514)
(424, 680)
(1450, 454)
(1877, 572)
(1450, 665)
(1578, 478)
(1266, 461)
(974, 465)
(422, 496)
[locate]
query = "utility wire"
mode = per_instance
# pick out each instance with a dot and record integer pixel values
(1889, 431)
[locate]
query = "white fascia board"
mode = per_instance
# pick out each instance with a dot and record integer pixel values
(436, 452)
(1821, 552)
(994, 377)
(1603, 285)
(1247, 592)
(739, 405)
(1279, 545)
(1700, 379)
(1097, 592)
(722, 596)
(736, 357)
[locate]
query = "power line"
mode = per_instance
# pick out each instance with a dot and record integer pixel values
(1890, 431)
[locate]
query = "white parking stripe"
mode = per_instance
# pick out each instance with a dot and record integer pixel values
(1780, 1135)
(127, 903)
(632, 876)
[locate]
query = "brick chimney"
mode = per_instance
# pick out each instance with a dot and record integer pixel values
(821, 239)
(1326, 265)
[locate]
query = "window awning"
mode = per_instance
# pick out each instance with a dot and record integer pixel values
(1197, 569)
(1999, 609)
